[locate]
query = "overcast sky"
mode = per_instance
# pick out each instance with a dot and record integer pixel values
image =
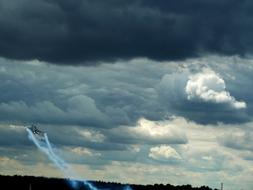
(139, 91)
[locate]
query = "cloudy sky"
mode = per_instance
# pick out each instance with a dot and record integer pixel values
(140, 91)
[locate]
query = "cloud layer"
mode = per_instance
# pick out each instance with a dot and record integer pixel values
(83, 32)
(132, 116)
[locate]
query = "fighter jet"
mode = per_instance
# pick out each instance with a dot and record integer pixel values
(36, 131)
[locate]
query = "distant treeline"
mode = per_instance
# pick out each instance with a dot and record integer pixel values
(42, 183)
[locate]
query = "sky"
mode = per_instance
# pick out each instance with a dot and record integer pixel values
(137, 92)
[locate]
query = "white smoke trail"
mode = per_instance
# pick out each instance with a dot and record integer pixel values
(46, 148)
(60, 163)
(59, 160)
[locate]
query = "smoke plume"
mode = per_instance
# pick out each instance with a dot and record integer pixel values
(47, 149)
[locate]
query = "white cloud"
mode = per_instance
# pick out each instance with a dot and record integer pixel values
(151, 132)
(208, 158)
(83, 151)
(163, 152)
(208, 86)
(91, 135)
(159, 130)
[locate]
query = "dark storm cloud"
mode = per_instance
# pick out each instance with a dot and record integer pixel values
(83, 31)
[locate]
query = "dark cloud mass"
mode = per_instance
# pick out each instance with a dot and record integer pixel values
(84, 31)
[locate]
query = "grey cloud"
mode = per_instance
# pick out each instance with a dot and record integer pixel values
(105, 95)
(17, 136)
(80, 110)
(118, 94)
(211, 160)
(238, 140)
(67, 32)
(25, 155)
